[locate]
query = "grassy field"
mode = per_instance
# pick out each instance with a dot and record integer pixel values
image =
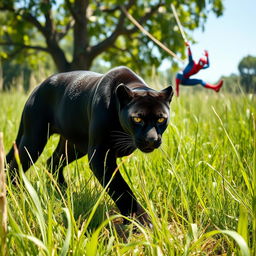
(199, 188)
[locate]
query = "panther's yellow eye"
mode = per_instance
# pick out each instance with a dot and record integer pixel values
(137, 119)
(161, 120)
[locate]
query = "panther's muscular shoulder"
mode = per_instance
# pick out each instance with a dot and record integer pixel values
(124, 75)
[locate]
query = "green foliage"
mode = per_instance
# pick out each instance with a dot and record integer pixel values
(26, 75)
(199, 188)
(139, 51)
(232, 83)
(98, 28)
(247, 70)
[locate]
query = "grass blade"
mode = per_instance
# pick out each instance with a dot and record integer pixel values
(37, 207)
(3, 200)
(238, 239)
(92, 243)
(66, 244)
(35, 240)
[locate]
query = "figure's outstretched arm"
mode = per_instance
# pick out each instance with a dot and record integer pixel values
(207, 65)
(190, 57)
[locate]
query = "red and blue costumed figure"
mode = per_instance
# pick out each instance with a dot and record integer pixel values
(192, 68)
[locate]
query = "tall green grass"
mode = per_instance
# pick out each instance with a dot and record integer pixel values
(199, 189)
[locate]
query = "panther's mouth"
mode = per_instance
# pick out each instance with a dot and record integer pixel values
(148, 148)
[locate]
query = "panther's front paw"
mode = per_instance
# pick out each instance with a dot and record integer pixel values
(143, 217)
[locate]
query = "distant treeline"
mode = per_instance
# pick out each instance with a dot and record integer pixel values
(21, 76)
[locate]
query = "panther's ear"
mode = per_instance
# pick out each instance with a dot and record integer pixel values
(123, 94)
(167, 94)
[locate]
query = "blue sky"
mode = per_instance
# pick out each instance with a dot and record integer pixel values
(228, 39)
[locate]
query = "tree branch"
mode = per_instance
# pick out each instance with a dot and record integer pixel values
(49, 25)
(71, 9)
(31, 19)
(109, 10)
(48, 32)
(27, 16)
(102, 46)
(21, 47)
(64, 32)
(6, 7)
(143, 19)
(109, 41)
(25, 46)
(14, 53)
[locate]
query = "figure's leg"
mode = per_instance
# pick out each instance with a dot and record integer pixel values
(191, 81)
(178, 79)
(103, 165)
(216, 87)
(64, 154)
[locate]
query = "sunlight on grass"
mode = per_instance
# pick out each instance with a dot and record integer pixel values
(199, 189)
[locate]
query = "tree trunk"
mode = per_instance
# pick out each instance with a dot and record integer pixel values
(81, 55)
(82, 62)
(58, 56)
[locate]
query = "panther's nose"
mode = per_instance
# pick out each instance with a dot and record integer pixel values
(153, 142)
(153, 139)
(149, 144)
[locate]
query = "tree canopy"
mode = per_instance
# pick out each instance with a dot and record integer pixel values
(247, 70)
(75, 32)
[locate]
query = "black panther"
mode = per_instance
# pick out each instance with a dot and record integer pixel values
(105, 116)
